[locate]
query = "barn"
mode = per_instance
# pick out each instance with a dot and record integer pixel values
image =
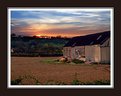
(89, 48)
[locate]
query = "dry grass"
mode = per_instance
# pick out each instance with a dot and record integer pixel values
(44, 72)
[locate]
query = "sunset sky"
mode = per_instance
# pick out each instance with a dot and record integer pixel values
(64, 22)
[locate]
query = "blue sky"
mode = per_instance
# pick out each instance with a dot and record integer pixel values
(64, 22)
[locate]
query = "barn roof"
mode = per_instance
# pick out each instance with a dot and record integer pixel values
(91, 39)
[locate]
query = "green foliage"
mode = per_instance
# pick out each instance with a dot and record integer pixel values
(49, 61)
(19, 80)
(41, 46)
(52, 82)
(75, 82)
(36, 82)
(77, 61)
(95, 63)
(52, 61)
(102, 82)
(97, 82)
(78, 82)
(16, 81)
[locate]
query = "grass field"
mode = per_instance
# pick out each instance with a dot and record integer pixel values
(44, 70)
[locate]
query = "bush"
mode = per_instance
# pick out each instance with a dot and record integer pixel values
(75, 82)
(77, 61)
(102, 82)
(52, 82)
(16, 81)
(94, 63)
(23, 80)
(97, 82)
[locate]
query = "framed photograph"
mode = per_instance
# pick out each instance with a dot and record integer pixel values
(60, 47)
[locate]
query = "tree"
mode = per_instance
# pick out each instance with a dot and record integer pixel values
(13, 35)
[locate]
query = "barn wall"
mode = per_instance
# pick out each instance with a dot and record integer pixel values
(105, 54)
(77, 52)
(92, 53)
(67, 52)
(97, 54)
(74, 52)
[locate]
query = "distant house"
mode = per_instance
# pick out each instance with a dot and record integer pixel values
(89, 48)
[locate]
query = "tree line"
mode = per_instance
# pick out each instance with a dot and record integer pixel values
(34, 46)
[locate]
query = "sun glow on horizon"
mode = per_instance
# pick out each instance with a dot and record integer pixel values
(56, 22)
(38, 35)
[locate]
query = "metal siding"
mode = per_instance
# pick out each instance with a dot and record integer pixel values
(73, 53)
(97, 57)
(89, 53)
(78, 51)
(65, 51)
(92, 53)
(105, 54)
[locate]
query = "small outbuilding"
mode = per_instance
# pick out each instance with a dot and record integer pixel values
(89, 48)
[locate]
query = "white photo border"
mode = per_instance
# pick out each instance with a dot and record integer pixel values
(9, 9)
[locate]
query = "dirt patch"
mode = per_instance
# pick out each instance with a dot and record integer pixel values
(45, 72)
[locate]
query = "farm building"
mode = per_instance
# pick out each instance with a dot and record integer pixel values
(89, 48)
